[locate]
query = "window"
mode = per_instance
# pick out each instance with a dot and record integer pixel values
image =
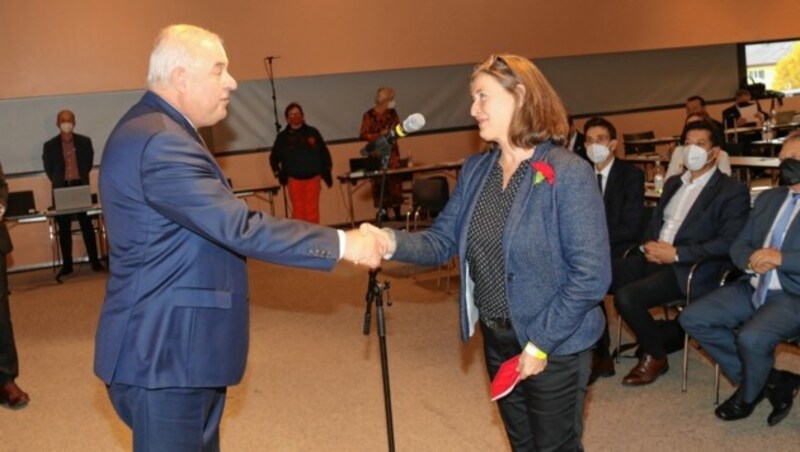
(775, 64)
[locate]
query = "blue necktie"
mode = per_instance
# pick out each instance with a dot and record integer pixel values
(760, 295)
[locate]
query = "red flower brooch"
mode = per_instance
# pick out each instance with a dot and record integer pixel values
(543, 171)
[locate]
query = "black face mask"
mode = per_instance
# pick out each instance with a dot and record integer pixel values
(790, 171)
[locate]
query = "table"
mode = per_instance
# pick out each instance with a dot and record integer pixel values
(355, 180)
(744, 164)
(654, 141)
(269, 190)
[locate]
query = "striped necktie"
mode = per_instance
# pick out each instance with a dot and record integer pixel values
(778, 231)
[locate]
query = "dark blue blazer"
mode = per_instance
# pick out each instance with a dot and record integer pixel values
(176, 306)
(755, 232)
(624, 203)
(555, 247)
(709, 229)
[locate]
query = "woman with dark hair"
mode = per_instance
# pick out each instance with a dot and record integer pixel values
(527, 222)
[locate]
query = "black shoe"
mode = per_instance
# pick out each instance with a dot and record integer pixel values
(736, 408)
(97, 266)
(602, 366)
(63, 273)
(781, 391)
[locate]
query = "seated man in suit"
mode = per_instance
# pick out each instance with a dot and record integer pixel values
(696, 106)
(622, 185)
(699, 215)
(763, 305)
(733, 117)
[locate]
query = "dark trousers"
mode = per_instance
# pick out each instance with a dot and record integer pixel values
(9, 366)
(64, 223)
(639, 286)
(170, 419)
(544, 412)
(747, 356)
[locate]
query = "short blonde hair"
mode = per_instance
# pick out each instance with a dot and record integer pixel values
(540, 114)
(174, 47)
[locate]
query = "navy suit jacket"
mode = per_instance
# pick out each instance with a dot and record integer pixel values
(709, 229)
(53, 159)
(624, 202)
(555, 247)
(176, 306)
(755, 232)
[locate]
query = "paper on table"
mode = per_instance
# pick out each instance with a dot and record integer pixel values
(749, 112)
(507, 377)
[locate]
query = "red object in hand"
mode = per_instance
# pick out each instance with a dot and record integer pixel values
(507, 377)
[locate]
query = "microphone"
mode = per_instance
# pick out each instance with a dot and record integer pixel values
(383, 144)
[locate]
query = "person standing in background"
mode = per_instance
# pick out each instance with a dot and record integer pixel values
(10, 394)
(68, 158)
(300, 159)
(376, 122)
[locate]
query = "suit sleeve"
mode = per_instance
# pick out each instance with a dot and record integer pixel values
(47, 160)
(180, 182)
(745, 243)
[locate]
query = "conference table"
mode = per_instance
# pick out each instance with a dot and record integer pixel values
(357, 179)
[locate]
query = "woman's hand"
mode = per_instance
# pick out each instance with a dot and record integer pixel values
(530, 365)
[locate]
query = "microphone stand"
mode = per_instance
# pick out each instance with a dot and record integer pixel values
(271, 78)
(375, 291)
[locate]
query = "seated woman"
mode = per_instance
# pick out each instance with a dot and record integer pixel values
(676, 162)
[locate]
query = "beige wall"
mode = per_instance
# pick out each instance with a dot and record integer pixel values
(97, 46)
(102, 45)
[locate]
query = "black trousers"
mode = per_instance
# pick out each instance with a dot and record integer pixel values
(641, 285)
(9, 366)
(544, 412)
(64, 223)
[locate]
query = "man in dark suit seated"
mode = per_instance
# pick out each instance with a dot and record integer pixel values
(622, 185)
(696, 106)
(741, 324)
(733, 117)
(699, 215)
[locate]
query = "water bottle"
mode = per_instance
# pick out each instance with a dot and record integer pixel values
(658, 178)
(766, 128)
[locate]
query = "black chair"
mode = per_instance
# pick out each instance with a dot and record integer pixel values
(429, 197)
(638, 148)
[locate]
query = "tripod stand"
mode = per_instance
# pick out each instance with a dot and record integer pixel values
(375, 292)
(271, 78)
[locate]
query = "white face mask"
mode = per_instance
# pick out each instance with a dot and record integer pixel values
(597, 153)
(66, 127)
(694, 157)
(391, 104)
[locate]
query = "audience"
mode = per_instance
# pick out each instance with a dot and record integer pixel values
(677, 164)
(622, 186)
(733, 117)
(699, 215)
(741, 324)
(576, 140)
(696, 105)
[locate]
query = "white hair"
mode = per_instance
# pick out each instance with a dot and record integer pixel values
(174, 47)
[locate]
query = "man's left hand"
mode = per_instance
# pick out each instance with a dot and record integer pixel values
(660, 252)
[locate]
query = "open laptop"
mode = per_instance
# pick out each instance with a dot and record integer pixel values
(364, 164)
(70, 198)
(20, 203)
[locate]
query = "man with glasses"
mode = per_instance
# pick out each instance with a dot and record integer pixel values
(699, 215)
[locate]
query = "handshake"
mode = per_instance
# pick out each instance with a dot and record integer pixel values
(368, 245)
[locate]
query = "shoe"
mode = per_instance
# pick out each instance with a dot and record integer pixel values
(602, 366)
(97, 266)
(781, 391)
(63, 273)
(736, 408)
(646, 371)
(13, 396)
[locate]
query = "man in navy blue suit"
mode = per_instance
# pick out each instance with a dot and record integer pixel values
(173, 331)
(741, 324)
(622, 186)
(699, 215)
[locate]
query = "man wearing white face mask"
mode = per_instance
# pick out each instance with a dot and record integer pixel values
(68, 158)
(698, 216)
(622, 185)
(676, 165)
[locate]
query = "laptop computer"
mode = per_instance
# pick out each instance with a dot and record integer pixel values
(20, 203)
(364, 164)
(70, 198)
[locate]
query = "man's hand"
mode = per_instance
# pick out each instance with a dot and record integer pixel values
(386, 235)
(366, 247)
(659, 252)
(765, 259)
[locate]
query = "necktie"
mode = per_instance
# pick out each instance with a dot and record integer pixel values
(760, 295)
(600, 182)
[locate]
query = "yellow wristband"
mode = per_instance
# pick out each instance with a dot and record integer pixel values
(535, 351)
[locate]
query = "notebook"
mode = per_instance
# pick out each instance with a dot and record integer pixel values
(69, 198)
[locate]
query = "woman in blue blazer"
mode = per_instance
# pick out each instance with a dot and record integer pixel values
(527, 222)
